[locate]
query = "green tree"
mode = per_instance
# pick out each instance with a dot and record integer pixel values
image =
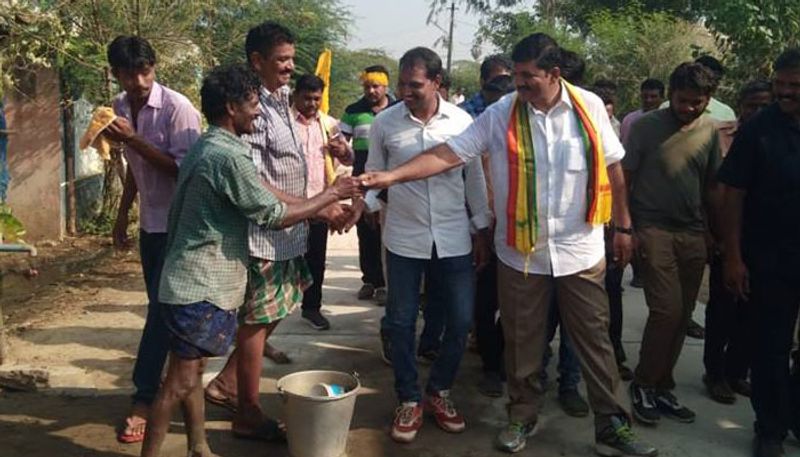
(465, 74)
(189, 37)
(753, 33)
(631, 45)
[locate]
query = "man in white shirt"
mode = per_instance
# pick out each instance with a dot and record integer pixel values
(427, 230)
(567, 233)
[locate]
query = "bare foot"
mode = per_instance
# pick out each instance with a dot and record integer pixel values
(276, 355)
(133, 429)
(204, 451)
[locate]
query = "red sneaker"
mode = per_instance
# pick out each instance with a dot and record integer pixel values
(407, 422)
(444, 411)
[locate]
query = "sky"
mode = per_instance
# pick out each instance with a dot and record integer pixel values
(398, 25)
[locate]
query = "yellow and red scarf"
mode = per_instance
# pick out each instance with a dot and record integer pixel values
(521, 213)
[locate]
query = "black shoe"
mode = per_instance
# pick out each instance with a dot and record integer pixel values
(316, 320)
(427, 357)
(625, 373)
(766, 448)
(741, 387)
(573, 404)
(366, 292)
(695, 330)
(644, 404)
(386, 348)
(669, 406)
(491, 384)
(719, 390)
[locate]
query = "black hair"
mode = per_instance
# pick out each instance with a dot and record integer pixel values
(226, 84)
(376, 69)
(754, 87)
(606, 90)
(572, 67)
(495, 61)
(539, 47)
(447, 81)
(130, 53)
(500, 84)
(309, 83)
(265, 36)
(652, 84)
(712, 64)
(788, 60)
(693, 76)
(424, 56)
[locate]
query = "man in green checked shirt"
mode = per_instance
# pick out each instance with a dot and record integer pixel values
(204, 277)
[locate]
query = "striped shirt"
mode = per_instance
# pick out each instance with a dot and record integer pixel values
(279, 159)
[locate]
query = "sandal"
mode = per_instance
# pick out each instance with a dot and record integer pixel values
(269, 430)
(126, 432)
(214, 395)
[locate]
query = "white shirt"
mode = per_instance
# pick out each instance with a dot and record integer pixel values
(566, 244)
(431, 211)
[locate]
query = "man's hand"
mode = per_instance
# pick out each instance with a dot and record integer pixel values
(377, 179)
(736, 277)
(337, 147)
(346, 187)
(623, 248)
(480, 249)
(336, 215)
(120, 130)
(356, 210)
(120, 233)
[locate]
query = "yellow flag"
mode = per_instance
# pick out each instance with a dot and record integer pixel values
(323, 71)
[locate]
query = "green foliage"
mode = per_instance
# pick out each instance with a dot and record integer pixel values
(753, 33)
(631, 45)
(465, 74)
(11, 229)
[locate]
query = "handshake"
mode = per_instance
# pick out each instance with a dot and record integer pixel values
(342, 217)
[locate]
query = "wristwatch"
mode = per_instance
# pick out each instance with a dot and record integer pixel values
(625, 230)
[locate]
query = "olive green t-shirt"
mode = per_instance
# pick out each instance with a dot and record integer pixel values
(671, 165)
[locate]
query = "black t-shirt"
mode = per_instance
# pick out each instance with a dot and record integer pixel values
(764, 161)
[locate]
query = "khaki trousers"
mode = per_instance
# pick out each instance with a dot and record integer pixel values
(673, 271)
(583, 307)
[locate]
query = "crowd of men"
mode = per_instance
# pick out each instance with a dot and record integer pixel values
(525, 202)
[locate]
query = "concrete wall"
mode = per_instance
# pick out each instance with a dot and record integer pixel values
(35, 157)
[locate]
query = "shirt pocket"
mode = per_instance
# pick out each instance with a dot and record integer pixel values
(571, 179)
(573, 155)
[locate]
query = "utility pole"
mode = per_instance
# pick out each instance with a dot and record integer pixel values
(450, 36)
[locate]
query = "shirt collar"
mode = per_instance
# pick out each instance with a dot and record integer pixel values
(443, 110)
(154, 100)
(213, 130)
(564, 100)
(302, 119)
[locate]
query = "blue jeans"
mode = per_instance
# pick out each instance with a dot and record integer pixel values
(154, 345)
(453, 277)
(433, 315)
(569, 366)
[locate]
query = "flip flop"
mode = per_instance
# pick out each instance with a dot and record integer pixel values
(269, 430)
(125, 434)
(214, 395)
(276, 355)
